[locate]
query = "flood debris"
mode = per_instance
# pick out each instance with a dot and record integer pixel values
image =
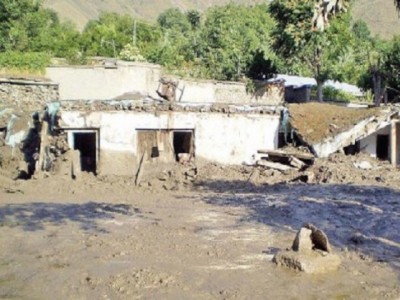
(284, 160)
(310, 252)
(328, 128)
(167, 89)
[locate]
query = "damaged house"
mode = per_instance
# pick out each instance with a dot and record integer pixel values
(142, 117)
(130, 115)
(116, 142)
(327, 129)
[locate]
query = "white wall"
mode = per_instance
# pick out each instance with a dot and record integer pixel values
(223, 138)
(368, 144)
(208, 91)
(99, 83)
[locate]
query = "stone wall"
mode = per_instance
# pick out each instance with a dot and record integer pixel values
(21, 93)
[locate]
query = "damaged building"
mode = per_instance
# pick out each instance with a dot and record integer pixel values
(117, 125)
(117, 141)
(328, 129)
(131, 115)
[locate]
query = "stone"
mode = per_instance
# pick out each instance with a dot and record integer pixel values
(363, 165)
(302, 242)
(312, 262)
(76, 168)
(318, 238)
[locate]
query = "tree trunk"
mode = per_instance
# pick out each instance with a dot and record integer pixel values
(377, 81)
(320, 91)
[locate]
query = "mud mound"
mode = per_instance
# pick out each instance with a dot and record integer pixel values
(10, 162)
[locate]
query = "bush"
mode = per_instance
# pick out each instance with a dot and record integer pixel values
(131, 53)
(29, 61)
(333, 94)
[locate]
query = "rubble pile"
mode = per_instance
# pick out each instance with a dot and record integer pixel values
(149, 104)
(356, 169)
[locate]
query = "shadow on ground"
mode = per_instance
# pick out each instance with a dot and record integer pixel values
(34, 216)
(361, 218)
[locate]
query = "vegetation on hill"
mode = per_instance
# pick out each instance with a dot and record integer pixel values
(230, 42)
(379, 15)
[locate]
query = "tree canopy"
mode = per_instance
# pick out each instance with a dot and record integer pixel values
(230, 42)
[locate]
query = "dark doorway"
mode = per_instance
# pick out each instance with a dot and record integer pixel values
(183, 141)
(85, 142)
(382, 146)
(352, 149)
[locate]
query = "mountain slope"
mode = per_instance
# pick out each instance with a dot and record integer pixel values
(380, 15)
(80, 11)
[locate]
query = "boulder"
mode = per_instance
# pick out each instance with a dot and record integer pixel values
(302, 242)
(318, 238)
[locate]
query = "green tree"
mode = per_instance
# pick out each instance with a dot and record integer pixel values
(175, 48)
(391, 67)
(322, 54)
(110, 33)
(15, 16)
(232, 37)
(26, 27)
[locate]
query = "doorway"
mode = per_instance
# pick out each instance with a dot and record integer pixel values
(183, 143)
(86, 143)
(382, 146)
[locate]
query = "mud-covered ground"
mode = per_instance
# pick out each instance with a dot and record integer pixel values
(97, 238)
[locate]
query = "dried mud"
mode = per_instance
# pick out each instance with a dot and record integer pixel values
(198, 232)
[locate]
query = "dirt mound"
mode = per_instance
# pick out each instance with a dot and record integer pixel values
(358, 169)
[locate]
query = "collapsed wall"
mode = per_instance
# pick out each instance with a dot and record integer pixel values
(27, 93)
(22, 111)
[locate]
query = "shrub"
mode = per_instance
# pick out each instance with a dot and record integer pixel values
(30, 61)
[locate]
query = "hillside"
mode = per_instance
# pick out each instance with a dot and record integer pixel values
(80, 11)
(380, 15)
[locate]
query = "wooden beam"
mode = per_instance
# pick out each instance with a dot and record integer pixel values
(277, 153)
(274, 166)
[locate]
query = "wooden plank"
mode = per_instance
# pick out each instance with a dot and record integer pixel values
(297, 163)
(278, 153)
(274, 166)
(44, 141)
(76, 167)
(140, 169)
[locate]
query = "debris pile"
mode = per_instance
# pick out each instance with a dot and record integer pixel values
(167, 176)
(310, 252)
(327, 128)
(283, 166)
